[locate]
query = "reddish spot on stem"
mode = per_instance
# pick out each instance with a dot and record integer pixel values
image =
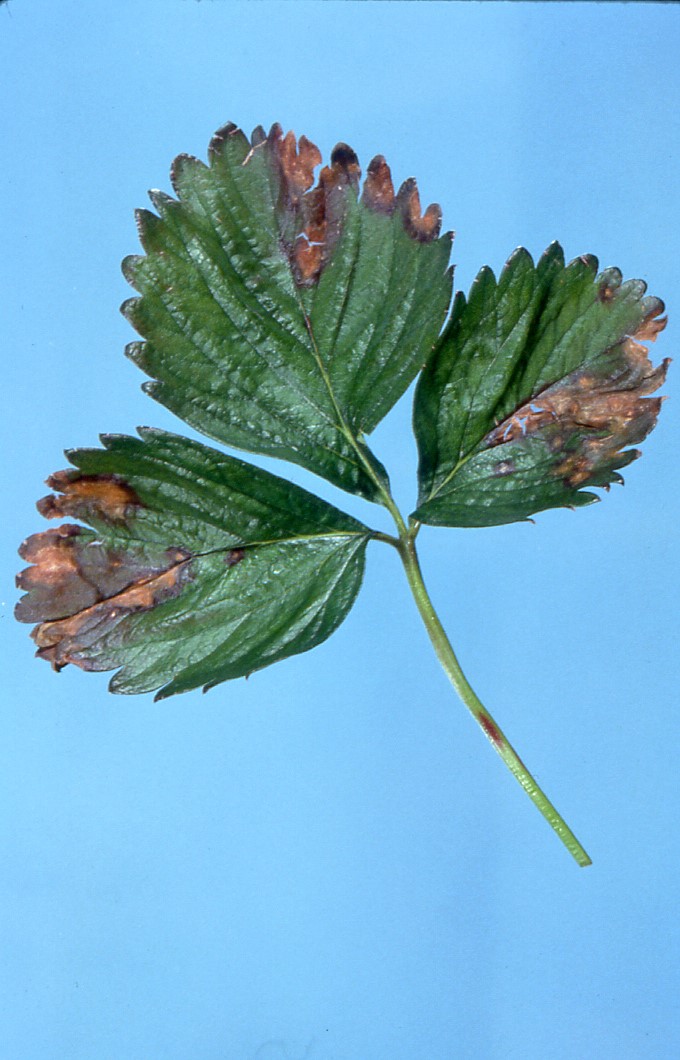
(492, 730)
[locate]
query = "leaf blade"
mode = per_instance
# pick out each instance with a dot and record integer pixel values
(537, 384)
(285, 319)
(198, 568)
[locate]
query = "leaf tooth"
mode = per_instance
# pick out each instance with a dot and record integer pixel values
(553, 254)
(153, 387)
(520, 256)
(147, 434)
(111, 440)
(423, 227)
(184, 170)
(130, 265)
(144, 217)
(129, 309)
(584, 263)
(484, 280)
(134, 351)
(378, 191)
(634, 288)
(150, 227)
(611, 276)
(296, 161)
(653, 322)
(162, 202)
(221, 136)
(275, 132)
(258, 136)
(344, 160)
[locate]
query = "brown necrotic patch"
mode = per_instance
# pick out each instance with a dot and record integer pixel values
(79, 496)
(424, 227)
(312, 218)
(77, 590)
(378, 193)
(296, 162)
(590, 416)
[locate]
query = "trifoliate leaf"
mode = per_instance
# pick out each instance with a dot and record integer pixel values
(285, 319)
(538, 384)
(198, 568)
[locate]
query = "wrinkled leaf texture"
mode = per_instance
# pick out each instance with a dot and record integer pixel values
(200, 568)
(286, 320)
(280, 319)
(537, 384)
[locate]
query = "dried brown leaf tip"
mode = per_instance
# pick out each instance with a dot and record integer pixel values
(425, 227)
(296, 161)
(315, 216)
(589, 417)
(81, 496)
(78, 590)
(378, 191)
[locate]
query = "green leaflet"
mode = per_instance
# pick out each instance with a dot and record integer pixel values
(537, 384)
(201, 568)
(282, 319)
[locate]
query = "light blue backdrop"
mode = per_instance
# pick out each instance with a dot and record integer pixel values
(328, 861)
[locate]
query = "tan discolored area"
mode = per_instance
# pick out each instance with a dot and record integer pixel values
(423, 227)
(313, 217)
(587, 419)
(322, 214)
(378, 193)
(55, 585)
(105, 496)
(296, 161)
(78, 590)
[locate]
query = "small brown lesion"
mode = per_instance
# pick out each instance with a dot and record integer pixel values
(77, 590)
(109, 497)
(587, 418)
(605, 292)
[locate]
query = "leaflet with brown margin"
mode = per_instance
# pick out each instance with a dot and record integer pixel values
(538, 385)
(244, 341)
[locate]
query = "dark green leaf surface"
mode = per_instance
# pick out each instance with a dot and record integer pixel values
(198, 567)
(537, 384)
(283, 319)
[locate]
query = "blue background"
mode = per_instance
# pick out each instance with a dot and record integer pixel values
(328, 861)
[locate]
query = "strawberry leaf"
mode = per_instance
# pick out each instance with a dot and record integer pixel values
(284, 319)
(538, 384)
(198, 568)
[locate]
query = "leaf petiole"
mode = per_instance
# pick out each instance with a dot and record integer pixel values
(405, 545)
(493, 732)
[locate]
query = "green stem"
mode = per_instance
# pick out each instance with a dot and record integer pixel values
(406, 546)
(492, 731)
